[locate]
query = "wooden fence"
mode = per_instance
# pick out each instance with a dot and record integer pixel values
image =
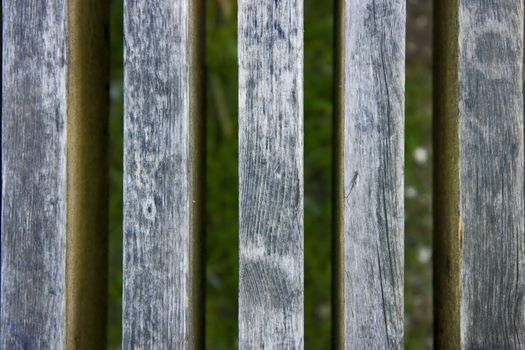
(54, 189)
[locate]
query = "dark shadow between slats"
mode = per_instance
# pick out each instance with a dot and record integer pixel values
(87, 190)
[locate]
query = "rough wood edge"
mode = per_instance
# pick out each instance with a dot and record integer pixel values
(197, 129)
(338, 180)
(446, 199)
(87, 190)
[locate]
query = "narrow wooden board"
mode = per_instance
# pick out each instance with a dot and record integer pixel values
(271, 292)
(369, 186)
(54, 193)
(34, 110)
(480, 214)
(162, 176)
(491, 174)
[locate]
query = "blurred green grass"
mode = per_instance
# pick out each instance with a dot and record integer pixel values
(221, 181)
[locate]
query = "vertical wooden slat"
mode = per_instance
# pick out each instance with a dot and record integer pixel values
(162, 176)
(54, 105)
(369, 153)
(479, 218)
(271, 174)
(34, 173)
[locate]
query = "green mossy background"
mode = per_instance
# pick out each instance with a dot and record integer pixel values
(221, 178)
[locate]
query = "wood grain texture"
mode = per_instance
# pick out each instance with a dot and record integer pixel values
(162, 174)
(487, 107)
(271, 292)
(34, 113)
(491, 174)
(54, 226)
(370, 189)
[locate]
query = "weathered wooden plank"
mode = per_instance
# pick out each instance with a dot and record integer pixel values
(369, 186)
(53, 183)
(271, 293)
(479, 217)
(162, 177)
(34, 174)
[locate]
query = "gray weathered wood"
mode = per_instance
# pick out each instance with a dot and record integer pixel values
(480, 212)
(271, 174)
(369, 186)
(54, 109)
(34, 174)
(162, 204)
(491, 174)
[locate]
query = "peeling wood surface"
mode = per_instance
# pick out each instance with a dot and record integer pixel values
(161, 295)
(271, 174)
(372, 74)
(491, 174)
(33, 174)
